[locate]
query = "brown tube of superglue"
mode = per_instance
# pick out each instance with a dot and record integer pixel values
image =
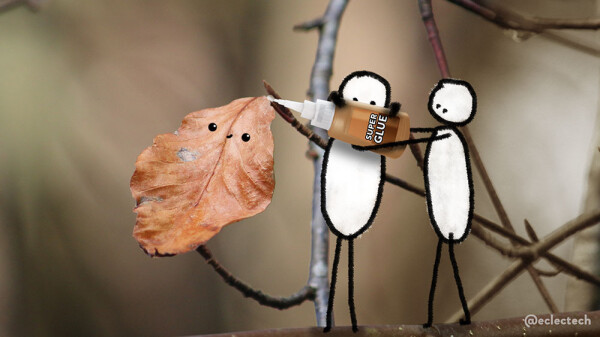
(356, 123)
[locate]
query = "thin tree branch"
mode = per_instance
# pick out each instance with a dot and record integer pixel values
(573, 42)
(405, 185)
(530, 232)
(580, 223)
(433, 36)
(416, 152)
(508, 19)
(549, 301)
(319, 89)
(494, 227)
(304, 294)
(309, 25)
(572, 269)
(501, 247)
(287, 115)
(537, 280)
(548, 273)
(507, 327)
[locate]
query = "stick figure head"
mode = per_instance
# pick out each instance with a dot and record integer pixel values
(366, 87)
(453, 102)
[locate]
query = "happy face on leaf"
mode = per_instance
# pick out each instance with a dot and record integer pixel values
(216, 169)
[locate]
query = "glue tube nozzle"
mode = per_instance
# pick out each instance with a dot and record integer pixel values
(319, 113)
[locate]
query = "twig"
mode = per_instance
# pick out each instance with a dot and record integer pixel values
(494, 227)
(416, 152)
(484, 236)
(319, 89)
(530, 232)
(289, 117)
(512, 20)
(537, 280)
(507, 327)
(405, 185)
(304, 294)
(548, 273)
(312, 24)
(573, 42)
(572, 269)
(580, 223)
(433, 36)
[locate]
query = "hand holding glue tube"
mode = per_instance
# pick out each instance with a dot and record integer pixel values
(356, 123)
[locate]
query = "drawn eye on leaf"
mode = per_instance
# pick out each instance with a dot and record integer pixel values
(216, 169)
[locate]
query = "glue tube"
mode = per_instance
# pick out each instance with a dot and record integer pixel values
(356, 123)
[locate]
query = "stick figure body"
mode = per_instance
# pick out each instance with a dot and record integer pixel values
(352, 181)
(448, 178)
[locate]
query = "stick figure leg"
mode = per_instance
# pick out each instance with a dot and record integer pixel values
(461, 293)
(336, 261)
(438, 254)
(351, 284)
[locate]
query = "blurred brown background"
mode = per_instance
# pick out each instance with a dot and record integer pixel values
(86, 85)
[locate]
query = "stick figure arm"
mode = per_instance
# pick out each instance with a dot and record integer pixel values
(395, 108)
(400, 143)
(422, 130)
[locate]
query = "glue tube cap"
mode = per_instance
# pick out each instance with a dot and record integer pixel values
(320, 113)
(309, 110)
(324, 114)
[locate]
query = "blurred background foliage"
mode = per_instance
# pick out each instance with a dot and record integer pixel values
(86, 85)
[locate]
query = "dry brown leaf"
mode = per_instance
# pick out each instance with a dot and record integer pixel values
(191, 183)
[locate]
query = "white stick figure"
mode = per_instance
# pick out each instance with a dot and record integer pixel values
(352, 181)
(447, 174)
